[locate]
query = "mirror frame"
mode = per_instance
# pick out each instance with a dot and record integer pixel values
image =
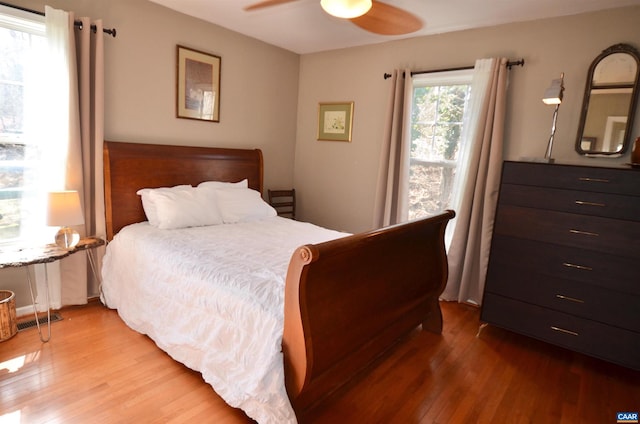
(617, 48)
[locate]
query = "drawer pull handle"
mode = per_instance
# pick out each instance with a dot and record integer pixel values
(571, 299)
(562, 330)
(584, 233)
(583, 267)
(583, 203)
(593, 180)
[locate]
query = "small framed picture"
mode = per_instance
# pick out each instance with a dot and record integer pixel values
(335, 121)
(198, 85)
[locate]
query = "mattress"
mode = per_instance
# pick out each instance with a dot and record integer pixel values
(213, 299)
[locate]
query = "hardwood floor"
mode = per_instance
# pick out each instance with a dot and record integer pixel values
(95, 369)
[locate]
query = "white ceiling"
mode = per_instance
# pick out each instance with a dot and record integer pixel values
(301, 26)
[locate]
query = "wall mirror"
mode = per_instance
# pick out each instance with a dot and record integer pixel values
(609, 102)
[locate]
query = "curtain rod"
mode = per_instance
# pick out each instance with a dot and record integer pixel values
(110, 31)
(510, 64)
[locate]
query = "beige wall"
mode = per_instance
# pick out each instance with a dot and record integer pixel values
(336, 181)
(259, 88)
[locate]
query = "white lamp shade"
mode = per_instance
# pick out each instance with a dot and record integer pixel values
(64, 209)
(346, 9)
(553, 94)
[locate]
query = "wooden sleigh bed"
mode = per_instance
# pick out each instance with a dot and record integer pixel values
(346, 301)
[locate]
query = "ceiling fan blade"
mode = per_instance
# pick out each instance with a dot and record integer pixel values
(266, 3)
(385, 19)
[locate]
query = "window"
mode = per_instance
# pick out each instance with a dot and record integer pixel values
(22, 53)
(437, 111)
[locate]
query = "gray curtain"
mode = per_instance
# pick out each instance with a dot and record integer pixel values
(81, 50)
(469, 249)
(392, 199)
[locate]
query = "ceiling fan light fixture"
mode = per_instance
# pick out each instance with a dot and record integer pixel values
(346, 9)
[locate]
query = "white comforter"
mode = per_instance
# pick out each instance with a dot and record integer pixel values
(212, 298)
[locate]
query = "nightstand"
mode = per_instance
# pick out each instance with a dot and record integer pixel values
(22, 257)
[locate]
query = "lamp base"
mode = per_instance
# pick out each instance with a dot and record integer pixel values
(67, 238)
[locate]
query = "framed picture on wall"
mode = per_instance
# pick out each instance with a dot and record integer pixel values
(335, 121)
(198, 85)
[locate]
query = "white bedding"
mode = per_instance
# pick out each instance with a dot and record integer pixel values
(212, 298)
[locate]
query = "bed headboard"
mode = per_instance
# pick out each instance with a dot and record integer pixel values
(129, 167)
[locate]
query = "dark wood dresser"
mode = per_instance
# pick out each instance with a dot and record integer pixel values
(565, 258)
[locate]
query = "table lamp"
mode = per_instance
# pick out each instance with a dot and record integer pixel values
(63, 211)
(553, 96)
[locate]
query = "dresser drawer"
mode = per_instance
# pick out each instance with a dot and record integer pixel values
(582, 335)
(610, 272)
(579, 202)
(573, 297)
(569, 177)
(587, 232)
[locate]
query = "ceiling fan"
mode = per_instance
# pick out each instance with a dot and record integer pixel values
(376, 16)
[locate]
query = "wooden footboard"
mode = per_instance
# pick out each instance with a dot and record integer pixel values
(349, 300)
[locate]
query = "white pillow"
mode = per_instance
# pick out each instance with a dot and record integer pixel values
(221, 184)
(148, 204)
(242, 206)
(185, 208)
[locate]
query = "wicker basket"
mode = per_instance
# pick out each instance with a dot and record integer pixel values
(8, 325)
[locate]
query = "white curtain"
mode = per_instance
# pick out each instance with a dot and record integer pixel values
(392, 190)
(478, 182)
(76, 117)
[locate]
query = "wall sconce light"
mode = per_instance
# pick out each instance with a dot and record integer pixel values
(64, 210)
(553, 96)
(346, 9)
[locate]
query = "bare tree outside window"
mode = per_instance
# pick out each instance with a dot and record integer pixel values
(436, 128)
(18, 155)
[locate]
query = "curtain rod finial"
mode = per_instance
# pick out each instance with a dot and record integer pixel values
(519, 62)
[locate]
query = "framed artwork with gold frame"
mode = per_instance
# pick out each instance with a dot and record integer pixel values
(335, 121)
(198, 85)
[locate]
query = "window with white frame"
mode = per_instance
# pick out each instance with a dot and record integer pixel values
(437, 111)
(22, 68)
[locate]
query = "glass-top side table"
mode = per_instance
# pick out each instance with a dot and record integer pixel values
(22, 257)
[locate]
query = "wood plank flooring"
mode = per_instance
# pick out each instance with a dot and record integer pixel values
(97, 370)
